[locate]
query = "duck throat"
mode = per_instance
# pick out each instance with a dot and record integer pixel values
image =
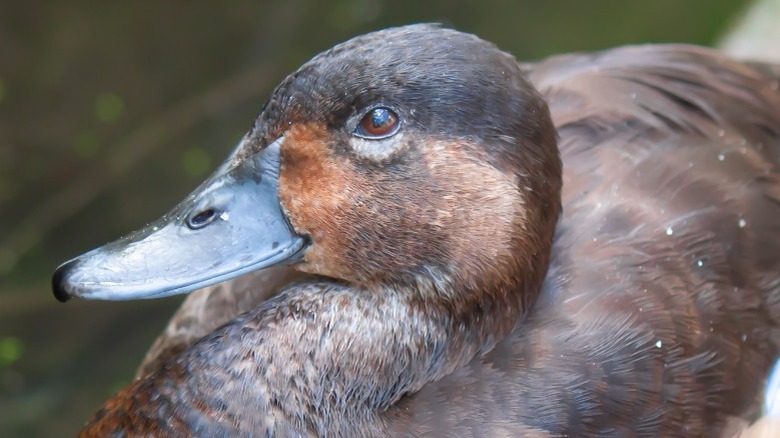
(317, 358)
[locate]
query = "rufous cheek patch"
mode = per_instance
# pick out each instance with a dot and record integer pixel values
(316, 191)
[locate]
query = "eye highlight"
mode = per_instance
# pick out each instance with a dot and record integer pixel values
(378, 123)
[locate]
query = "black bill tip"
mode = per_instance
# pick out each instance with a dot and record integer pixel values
(59, 281)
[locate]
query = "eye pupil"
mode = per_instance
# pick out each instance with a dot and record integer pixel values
(378, 123)
(379, 117)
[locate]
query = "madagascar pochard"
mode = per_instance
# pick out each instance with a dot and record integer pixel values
(411, 181)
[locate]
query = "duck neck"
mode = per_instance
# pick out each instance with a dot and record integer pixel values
(323, 355)
(362, 348)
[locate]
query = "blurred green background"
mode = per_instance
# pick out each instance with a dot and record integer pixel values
(112, 112)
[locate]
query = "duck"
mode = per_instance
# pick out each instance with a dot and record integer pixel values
(422, 236)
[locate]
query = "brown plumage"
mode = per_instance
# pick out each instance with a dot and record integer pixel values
(658, 315)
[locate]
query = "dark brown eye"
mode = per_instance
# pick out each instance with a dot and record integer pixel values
(378, 123)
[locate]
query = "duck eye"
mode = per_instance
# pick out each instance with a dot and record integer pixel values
(377, 124)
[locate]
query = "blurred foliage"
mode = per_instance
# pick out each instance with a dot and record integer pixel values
(111, 112)
(109, 107)
(11, 350)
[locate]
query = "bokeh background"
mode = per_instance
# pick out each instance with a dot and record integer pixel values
(111, 112)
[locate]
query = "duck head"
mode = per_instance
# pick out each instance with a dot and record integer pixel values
(405, 154)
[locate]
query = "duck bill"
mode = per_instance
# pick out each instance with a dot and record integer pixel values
(232, 224)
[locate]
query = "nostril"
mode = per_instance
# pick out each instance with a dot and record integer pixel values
(200, 220)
